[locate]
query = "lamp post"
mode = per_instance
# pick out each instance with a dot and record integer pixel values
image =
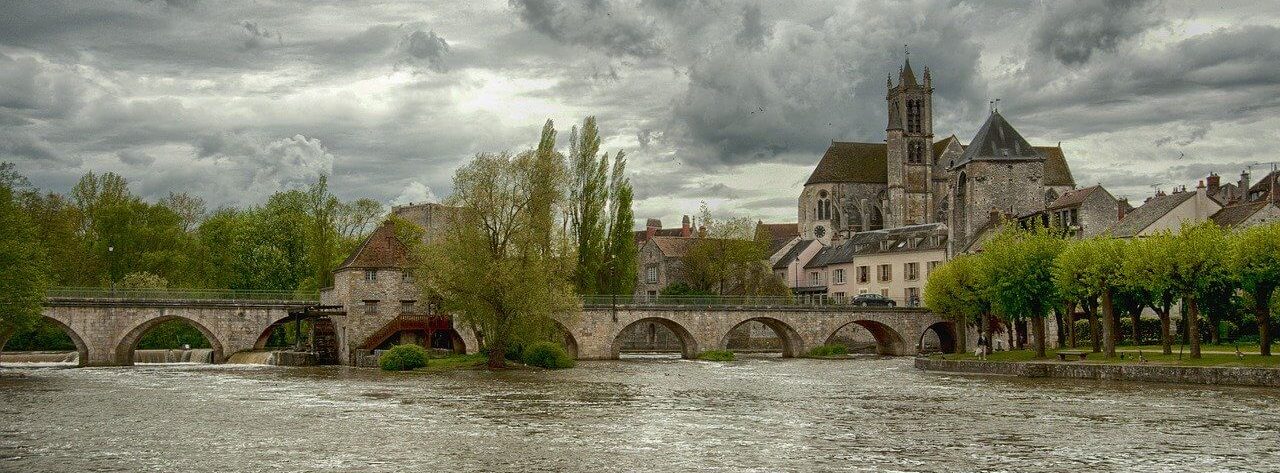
(111, 269)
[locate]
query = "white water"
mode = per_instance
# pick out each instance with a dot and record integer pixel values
(195, 355)
(252, 358)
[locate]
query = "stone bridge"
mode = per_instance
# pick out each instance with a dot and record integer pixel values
(106, 331)
(594, 334)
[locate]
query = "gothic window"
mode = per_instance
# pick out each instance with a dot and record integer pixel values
(914, 110)
(915, 153)
(824, 206)
(855, 220)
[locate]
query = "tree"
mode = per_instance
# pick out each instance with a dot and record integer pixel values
(1088, 270)
(952, 290)
(588, 201)
(499, 266)
(1148, 268)
(1255, 257)
(189, 208)
(1197, 266)
(24, 267)
(621, 245)
(356, 219)
(142, 280)
(1016, 271)
(725, 255)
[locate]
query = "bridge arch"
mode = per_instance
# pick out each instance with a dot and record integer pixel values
(129, 343)
(946, 333)
(792, 343)
(265, 336)
(688, 344)
(570, 342)
(82, 349)
(433, 328)
(888, 340)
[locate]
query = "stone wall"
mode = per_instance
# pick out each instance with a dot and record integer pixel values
(1269, 377)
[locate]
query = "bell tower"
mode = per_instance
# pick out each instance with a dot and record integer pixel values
(909, 148)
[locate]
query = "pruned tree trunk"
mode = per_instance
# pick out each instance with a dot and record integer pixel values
(1062, 331)
(1094, 334)
(497, 355)
(1136, 317)
(1071, 324)
(1166, 332)
(1108, 325)
(1037, 328)
(986, 332)
(962, 336)
(1214, 328)
(1193, 325)
(1262, 311)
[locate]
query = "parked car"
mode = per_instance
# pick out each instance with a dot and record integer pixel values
(872, 299)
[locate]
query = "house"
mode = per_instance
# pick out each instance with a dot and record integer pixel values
(1167, 212)
(790, 267)
(1258, 206)
(1081, 213)
(894, 263)
(660, 264)
(653, 228)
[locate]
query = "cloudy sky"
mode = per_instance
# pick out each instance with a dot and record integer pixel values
(728, 102)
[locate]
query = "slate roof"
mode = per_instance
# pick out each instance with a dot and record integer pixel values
(1142, 217)
(1233, 215)
(382, 249)
(792, 254)
(867, 243)
(998, 140)
(1264, 185)
(907, 77)
(1073, 197)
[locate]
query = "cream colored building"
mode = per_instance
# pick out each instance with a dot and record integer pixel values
(894, 263)
(1167, 212)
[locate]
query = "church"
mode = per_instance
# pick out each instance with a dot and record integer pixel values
(910, 179)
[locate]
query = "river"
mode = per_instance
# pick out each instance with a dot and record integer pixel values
(650, 415)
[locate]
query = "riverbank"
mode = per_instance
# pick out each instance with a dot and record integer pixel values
(1192, 372)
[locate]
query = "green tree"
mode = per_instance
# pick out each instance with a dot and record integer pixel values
(725, 256)
(24, 267)
(498, 266)
(588, 201)
(1255, 257)
(952, 290)
(1088, 270)
(1198, 266)
(619, 276)
(1017, 273)
(1148, 269)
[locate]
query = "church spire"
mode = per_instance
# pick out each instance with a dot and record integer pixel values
(908, 78)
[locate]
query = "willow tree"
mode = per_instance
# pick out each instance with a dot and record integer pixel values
(1198, 265)
(952, 291)
(500, 265)
(1255, 256)
(1017, 277)
(24, 278)
(1089, 270)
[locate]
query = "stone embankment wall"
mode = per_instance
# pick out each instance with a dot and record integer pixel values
(1269, 377)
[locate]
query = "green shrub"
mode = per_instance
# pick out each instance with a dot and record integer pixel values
(403, 358)
(833, 349)
(716, 355)
(547, 355)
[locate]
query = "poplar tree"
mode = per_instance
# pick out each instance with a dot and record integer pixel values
(620, 275)
(588, 197)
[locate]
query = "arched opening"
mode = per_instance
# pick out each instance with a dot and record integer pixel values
(959, 203)
(868, 336)
(48, 342)
(284, 334)
(876, 222)
(938, 338)
(169, 339)
(854, 219)
(654, 336)
(566, 339)
(765, 336)
(434, 333)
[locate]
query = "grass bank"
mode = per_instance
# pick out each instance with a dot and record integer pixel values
(455, 362)
(1131, 357)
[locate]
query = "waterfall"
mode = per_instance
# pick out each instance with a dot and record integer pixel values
(195, 355)
(252, 358)
(42, 357)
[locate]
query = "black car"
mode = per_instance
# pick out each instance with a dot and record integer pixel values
(872, 299)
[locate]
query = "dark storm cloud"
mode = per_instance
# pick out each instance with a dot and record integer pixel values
(754, 31)
(592, 23)
(1073, 31)
(428, 47)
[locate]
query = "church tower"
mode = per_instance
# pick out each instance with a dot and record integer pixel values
(909, 153)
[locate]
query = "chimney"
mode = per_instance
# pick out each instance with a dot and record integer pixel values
(1244, 184)
(1121, 203)
(653, 223)
(1215, 183)
(684, 226)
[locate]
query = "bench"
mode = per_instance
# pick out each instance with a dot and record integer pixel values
(1062, 355)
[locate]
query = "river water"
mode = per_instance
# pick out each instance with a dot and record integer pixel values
(651, 415)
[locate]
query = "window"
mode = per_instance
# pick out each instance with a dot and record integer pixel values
(406, 276)
(912, 271)
(839, 297)
(864, 274)
(651, 274)
(823, 210)
(838, 276)
(884, 273)
(370, 275)
(913, 296)
(370, 307)
(915, 153)
(407, 305)
(915, 108)
(930, 266)
(885, 292)
(815, 278)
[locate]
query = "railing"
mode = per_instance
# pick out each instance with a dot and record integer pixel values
(731, 300)
(180, 294)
